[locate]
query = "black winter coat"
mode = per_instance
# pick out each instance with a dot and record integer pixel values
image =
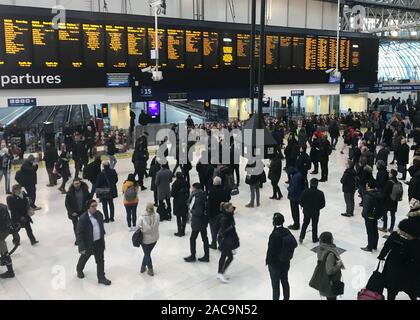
(303, 163)
(18, 208)
(50, 157)
(382, 155)
(296, 185)
(403, 154)
(372, 205)
(102, 181)
(390, 205)
(84, 232)
(63, 167)
(29, 173)
(275, 244)
(71, 202)
(324, 150)
(217, 195)
(291, 152)
(80, 152)
(94, 170)
(180, 193)
(314, 154)
(227, 233)
(414, 187)
(312, 201)
(274, 173)
(348, 180)
(382, 177)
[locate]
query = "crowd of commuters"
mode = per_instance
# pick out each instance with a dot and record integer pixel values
(370, 138)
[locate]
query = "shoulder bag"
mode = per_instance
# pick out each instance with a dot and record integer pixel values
(104, 193)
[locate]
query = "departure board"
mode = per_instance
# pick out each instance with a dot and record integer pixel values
(332, 56)
(163, 48)
(344, 54)
(193, 49)
(355, 55)
(116, 43)
(272, 52)
(228, 52)
(137, 47)
(2, 48)
(70, 45)
(257, 49)
(94, 45)
(18, 43)
(311, 53)
(322, 53)
(243, 47)
(176, 49)
(45, 48)
(298, 61)
(285, 62)
(211, 50)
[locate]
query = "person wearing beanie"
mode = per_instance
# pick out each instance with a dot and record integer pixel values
(372, 211)
(312, 201)
(382, 175)
(217, 194)
(281, 245)
(348, 180)
(401, 253)
(390, 204)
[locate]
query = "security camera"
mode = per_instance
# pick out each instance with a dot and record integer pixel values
(329, 71)
(157, 76)
(147, 70)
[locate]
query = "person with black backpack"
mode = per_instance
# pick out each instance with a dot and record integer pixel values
(392, 194)
(130, 189)
(281, 247)
(372, 211)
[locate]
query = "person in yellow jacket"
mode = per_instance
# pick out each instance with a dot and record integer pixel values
(130, 190)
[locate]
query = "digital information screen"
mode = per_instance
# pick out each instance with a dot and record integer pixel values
(344, 54)
(298, 61)
(45, 49)
(355, 55)
(163, 48)
(17, 43)
(211, 50)
(272, 52)
(332, 53)
(285, 62)
(94, 45)
(2, 48)
(243, 47)
(137, 47)
(311, 53)
(193, 49)
(176, 49)
(257, 49)
(228, 50)
(70, 45)
(116, 43)
(322, 53)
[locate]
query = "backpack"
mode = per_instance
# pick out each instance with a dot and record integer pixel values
(288, 247)
(130, 194)
(397, 192)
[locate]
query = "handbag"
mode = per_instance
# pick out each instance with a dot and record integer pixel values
(137, 238)
(337, 287)
(104, 193)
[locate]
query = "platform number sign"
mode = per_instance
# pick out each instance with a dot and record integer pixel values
(146, 92)
(21, 102)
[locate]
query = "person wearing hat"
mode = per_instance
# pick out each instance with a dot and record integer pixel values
(278, 262)
(372, 211)
(312, 201)
(401, 253)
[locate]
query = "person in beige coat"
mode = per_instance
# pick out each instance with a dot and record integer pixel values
(149, 225)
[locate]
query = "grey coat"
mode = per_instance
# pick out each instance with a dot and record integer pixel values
(332, 269)
(199, 218)
(163, 184)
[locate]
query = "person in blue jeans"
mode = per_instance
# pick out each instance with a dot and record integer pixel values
(149, 225)
(108, 178)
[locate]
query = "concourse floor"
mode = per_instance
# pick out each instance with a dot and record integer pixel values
(48, 270)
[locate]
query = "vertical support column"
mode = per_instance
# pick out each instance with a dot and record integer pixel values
(252, 55)
(261, 70)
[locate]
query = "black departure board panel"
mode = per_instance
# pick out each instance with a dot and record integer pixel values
(322, 53)
(344, 54)
(285, 53)
(228, 50)
(311, 53)
(162, 45)
(332, 50)
(355, 56)
(176, 49)
(298, 61)
(2, 48)
(18, 43)
(137, 47)
(257, 49)
(193, 49)
(45, 46)
(94, 45)
(211, 50)
(70, 45)
(272, 52)
(116, 43)
(243, 47)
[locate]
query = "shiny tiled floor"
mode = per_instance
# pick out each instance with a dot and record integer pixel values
(47, 271)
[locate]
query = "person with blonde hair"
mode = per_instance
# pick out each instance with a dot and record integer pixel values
(149, 225)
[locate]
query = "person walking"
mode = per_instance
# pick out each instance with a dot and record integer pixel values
(180, 193)
(18, 204)
(296, 187)
(403, 158)
(314, 154)
(6, 229)
(218, 194)
(29, 173)
(312, 201)
(139, 159)
(228, 239)
(199, 221)
(281, 246)
(392, 194)
(149, 226)
(107, 185)
(93, 170)
(154, 169)
(130, 190)
(372, 211)
(80, 154)
(50, 158)
(303, 164)
(274, 174)
(348, 181)
(6, 158)
(329, 266)
(76, 201)
(111, 150)
(90, 235)
(63, 169)
(163, 186)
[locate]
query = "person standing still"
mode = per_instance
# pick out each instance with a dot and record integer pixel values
(149, 225)
(348, 180)
(6, 158)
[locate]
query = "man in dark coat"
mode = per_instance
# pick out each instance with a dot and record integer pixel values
(50, 158)
(90, 235)
(296, 187)
(403, 158)
(80, 154)
(180, 193)
(382, 154)
(382, 176)
(199, 221)
(372, 211)
(324, 154)
(76, 201)
(108, 178)
(303, 163)
(139, 159)
(314, 154)
(93, 170)
(6, 229)
(312, 201)
(29, 169)
(163, 186)
(348, 180)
